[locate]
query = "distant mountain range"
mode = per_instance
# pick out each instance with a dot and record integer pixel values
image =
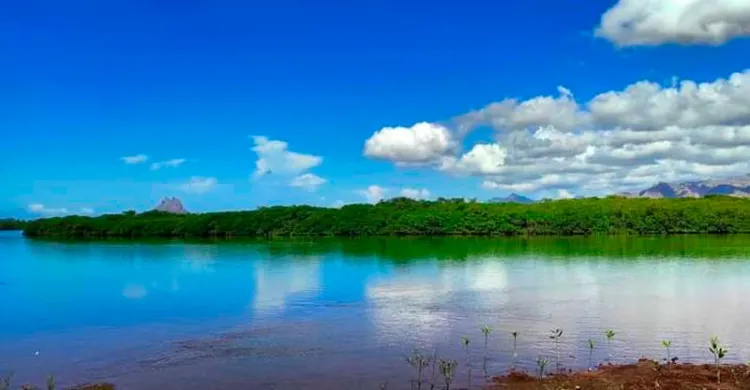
(512, 198)
(171, 205)
(733, 186)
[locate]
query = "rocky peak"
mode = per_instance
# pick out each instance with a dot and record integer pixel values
(171, 205)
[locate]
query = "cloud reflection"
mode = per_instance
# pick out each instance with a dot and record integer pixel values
(276, 281)
(134, 291)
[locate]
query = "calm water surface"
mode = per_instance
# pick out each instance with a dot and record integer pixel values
(341, 314)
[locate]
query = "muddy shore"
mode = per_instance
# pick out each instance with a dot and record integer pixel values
(645, 374)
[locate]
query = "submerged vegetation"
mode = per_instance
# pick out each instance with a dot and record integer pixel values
(402, 216)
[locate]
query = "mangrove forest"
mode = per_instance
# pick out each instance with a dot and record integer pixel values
(406, 217)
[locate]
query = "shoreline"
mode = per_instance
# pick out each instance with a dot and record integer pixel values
(641, 375)
(645, 374)
(406, 217)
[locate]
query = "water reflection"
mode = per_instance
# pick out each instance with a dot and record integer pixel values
(277, 280)
(337, 312)
(421, 303)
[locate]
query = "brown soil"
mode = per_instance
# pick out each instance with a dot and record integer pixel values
(645, 374)
(98, 386)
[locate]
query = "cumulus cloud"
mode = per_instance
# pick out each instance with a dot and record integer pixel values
(41, 209)
(415, 193)
(373, 193)
(274, 157)
(38, 208)
(422, 143)
(137, 159)
(618, 140)
(308, 181)
(199, 185)
(656, 22)
(176, 162)
(561, 112)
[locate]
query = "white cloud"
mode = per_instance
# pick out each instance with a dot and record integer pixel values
(564, 194)
(656, 22)
(649, 106)
(274, 157)
(199, 185)
(482, 159)
(137, 159)
(619, 140)
(168, 163)
(308, 181)
(422, 143)
(415, 193)
(38, 208)
(561, 112)
(373, 193)
(41, 209)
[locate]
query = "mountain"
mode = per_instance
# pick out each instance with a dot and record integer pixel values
(512, 198)
(733, 186)
(171, 205)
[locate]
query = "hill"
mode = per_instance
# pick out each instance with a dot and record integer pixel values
(512, 198)
(738, 186)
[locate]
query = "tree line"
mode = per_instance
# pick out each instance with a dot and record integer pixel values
(407, 217)
(10, 224)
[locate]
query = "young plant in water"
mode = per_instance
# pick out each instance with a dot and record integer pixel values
(591, 353)
(555, 335)
(541, 364)
(51, 383)
(419, 362)
(515, 344)
(447, 370)
(667, 344)
(610, 335)
(719, 352)
(5, 381)
(465, 341)
(486, 330)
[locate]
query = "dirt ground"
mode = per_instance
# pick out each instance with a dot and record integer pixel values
(645, 374)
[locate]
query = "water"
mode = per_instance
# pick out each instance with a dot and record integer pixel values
(341, 314)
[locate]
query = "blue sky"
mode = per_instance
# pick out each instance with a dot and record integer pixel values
(328, 94)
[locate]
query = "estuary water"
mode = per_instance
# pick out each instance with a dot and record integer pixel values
(343, 314)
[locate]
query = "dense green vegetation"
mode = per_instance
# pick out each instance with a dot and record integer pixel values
(10, 224)
(401, 216)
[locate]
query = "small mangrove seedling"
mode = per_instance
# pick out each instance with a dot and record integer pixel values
(719, 352)
(51, 383)
(419, 362)
(515, 344)
(610, 335)
(555, 335)
(5, 381)
(465, 341)
(667, 344)
(433, 377)
(541, 365)
(591, 353)
(486, 330)
(447, 370)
